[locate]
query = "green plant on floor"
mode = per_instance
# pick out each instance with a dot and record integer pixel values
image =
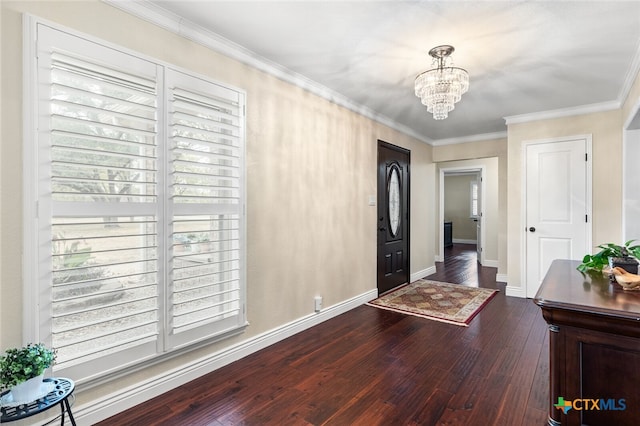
(18, 365)
(599, 260)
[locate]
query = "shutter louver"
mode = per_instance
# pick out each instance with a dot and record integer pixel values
(104, 248)
(206, 202)
(474, 199)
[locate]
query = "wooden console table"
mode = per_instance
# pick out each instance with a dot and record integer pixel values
(594, 345)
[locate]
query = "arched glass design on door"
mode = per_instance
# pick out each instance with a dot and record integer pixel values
(393, 195)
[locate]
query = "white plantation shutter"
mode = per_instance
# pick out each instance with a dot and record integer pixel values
(140, 176)
(206, 207)
(98, 202)
(474, 199)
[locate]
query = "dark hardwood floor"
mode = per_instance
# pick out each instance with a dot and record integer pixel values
(374, 367)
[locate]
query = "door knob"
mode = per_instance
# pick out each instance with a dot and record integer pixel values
(382, 228)
(532, 229)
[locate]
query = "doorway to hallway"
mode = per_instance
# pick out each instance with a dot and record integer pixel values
(461, 209)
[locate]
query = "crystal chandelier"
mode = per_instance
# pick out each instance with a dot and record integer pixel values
(441, 87)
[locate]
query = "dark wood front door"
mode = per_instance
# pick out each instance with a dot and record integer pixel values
(393, 216)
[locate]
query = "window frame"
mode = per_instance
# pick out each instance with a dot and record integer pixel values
(474, 184)
(35, 305)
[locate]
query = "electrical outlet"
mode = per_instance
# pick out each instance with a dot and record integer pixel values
(318, 303)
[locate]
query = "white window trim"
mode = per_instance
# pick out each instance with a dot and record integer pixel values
(31, 317)
(471, 185)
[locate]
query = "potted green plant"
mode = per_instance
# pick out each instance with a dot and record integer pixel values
(22, 370)
(625, 256)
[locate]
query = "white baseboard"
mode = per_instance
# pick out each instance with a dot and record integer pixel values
(463, 241)
(115, 402)
(490, 263)
(421, 274)
(515, 292)
(501, 278)
(439, 258)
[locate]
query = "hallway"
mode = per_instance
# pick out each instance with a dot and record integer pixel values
(461, 266)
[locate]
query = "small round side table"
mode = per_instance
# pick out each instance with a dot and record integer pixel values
(63, 389)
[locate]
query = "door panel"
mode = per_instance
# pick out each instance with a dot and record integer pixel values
(478, 221)
(551, 249)
(554, 180)
(478, 241)
(556, 186)
(393, 216)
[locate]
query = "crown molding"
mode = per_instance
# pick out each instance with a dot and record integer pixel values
(564, 112)
(169, 21)
(630, 78)
(471, 138)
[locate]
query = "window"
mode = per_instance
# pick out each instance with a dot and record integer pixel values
(139, 171)
(475, 206)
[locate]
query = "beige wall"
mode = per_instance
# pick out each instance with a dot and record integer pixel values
(606, 131)
(475, 154)
(311, 167)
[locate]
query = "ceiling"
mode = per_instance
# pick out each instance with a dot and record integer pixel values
(523, 57)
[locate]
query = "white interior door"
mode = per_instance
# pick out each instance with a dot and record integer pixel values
(478, 220)
(556, 206)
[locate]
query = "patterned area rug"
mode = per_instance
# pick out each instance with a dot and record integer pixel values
(450, 303)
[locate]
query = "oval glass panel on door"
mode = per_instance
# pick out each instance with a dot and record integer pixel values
(393, 195)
